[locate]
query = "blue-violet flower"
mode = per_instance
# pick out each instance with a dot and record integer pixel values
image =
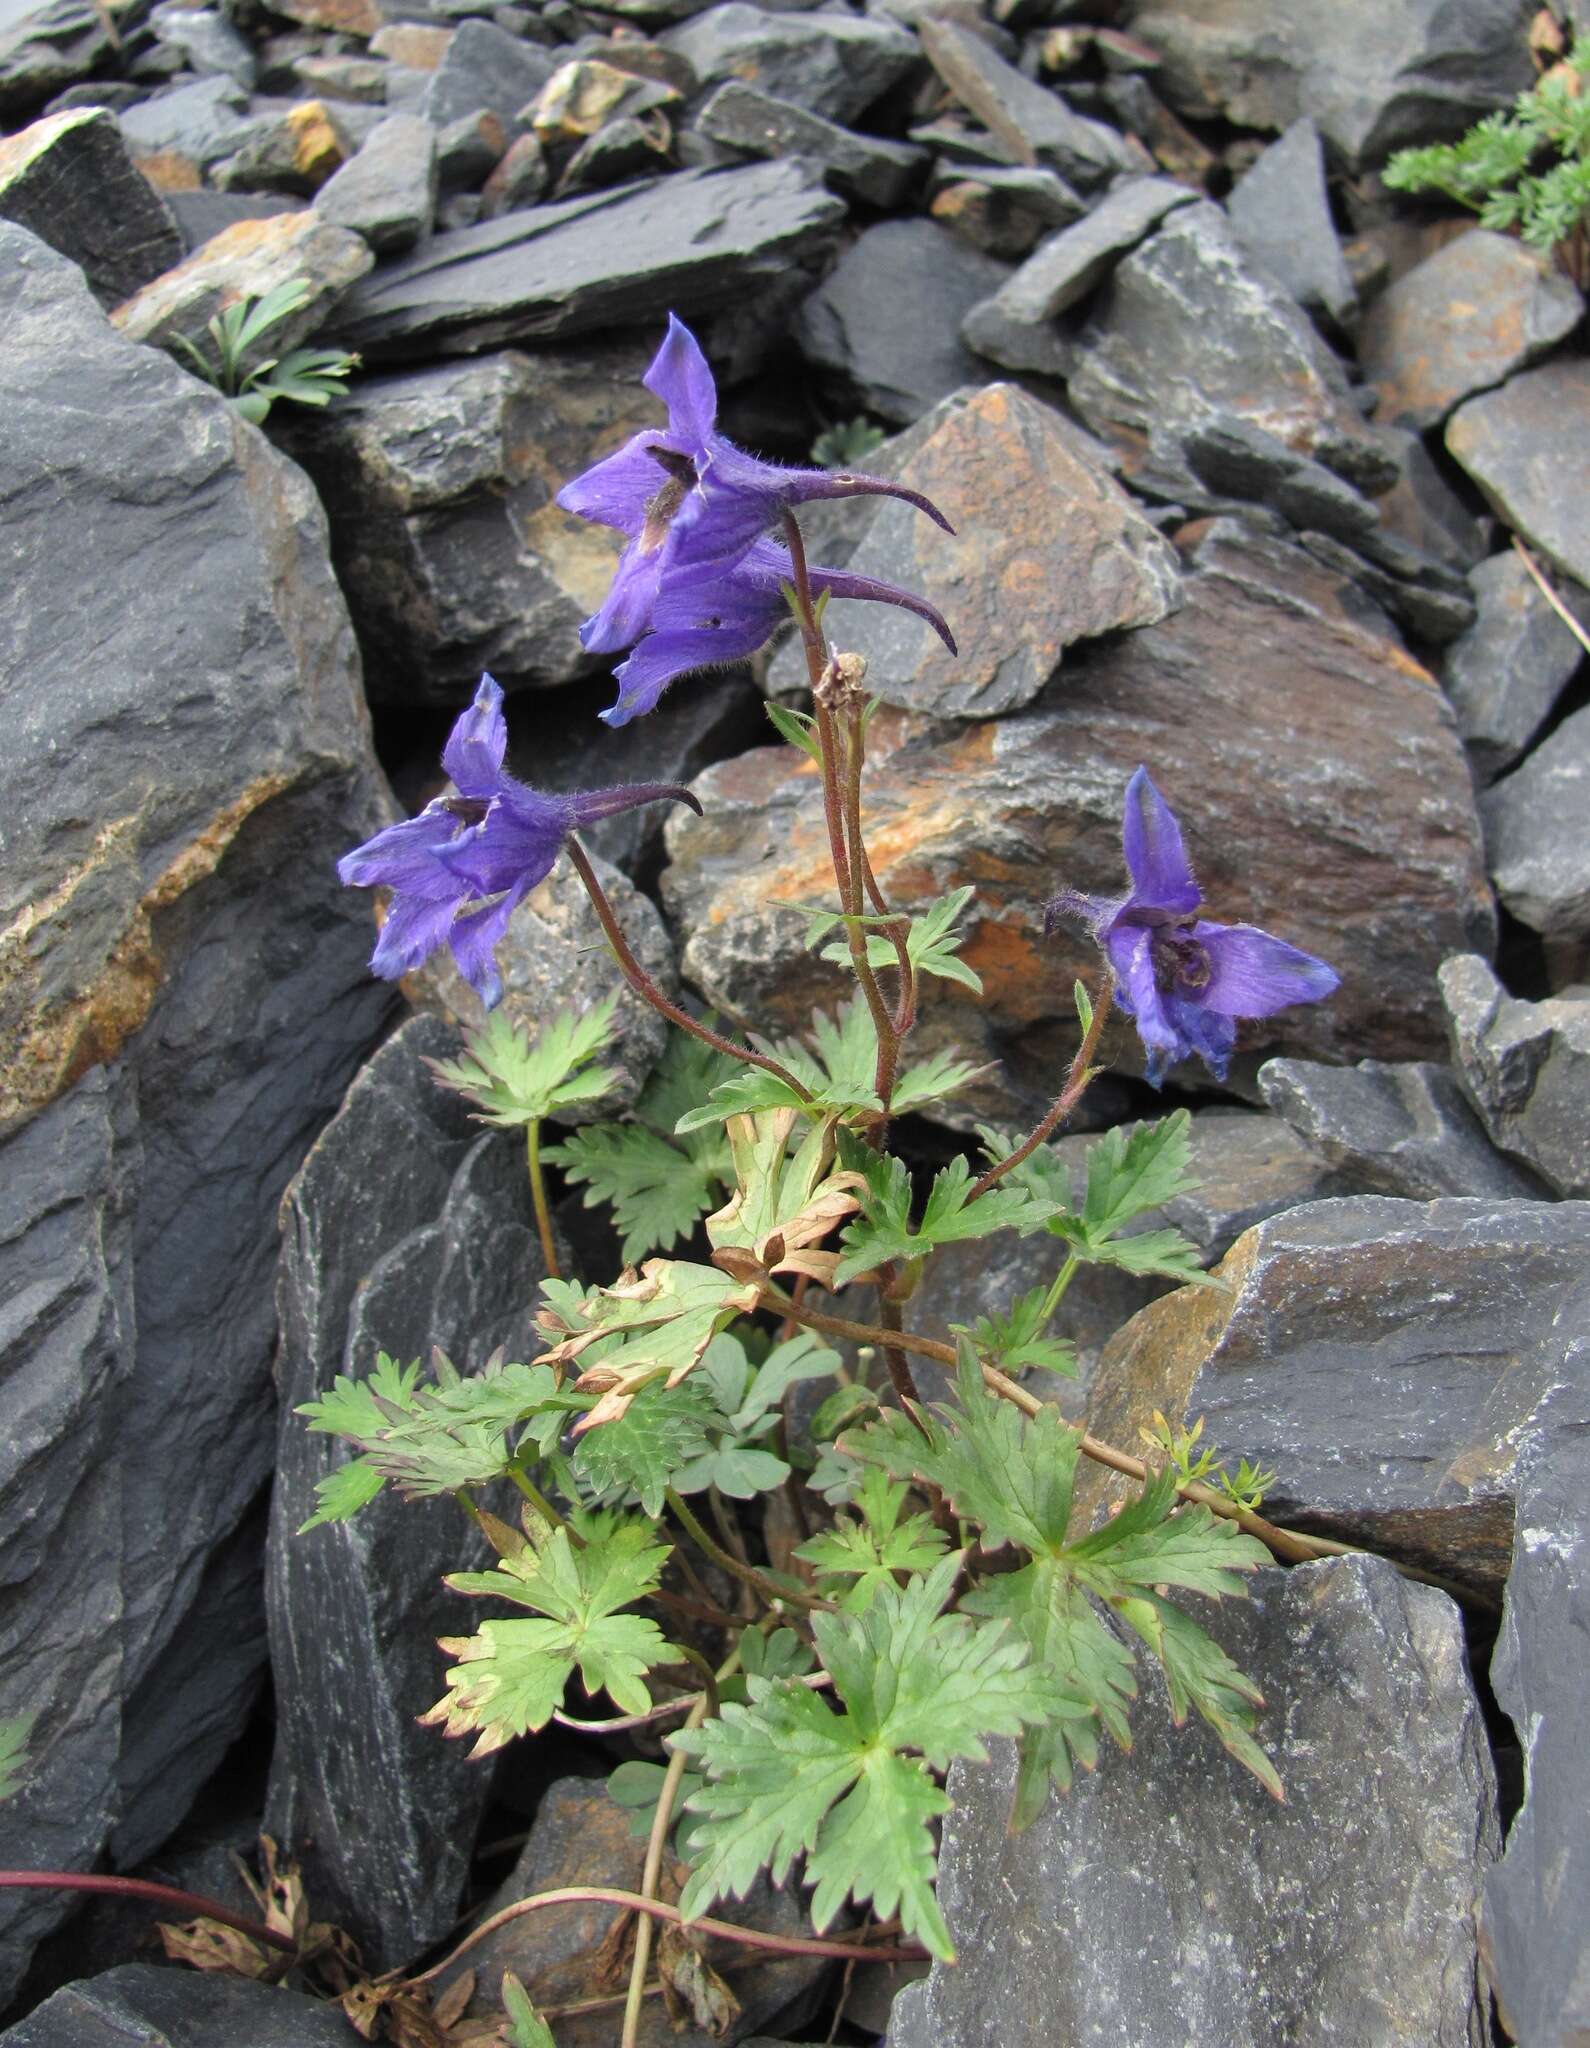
(1182, 978)
(459, 870)
(699, 582)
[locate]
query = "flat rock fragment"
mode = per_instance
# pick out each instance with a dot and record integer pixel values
(1281, 209)
(866, 166)
(1461, 321)
(1537, 833)
(1526, 1069)
(1508, 670)
(1032, 124)
(1527, 446)
(834, 65)
(387, 193)
(145, 2005)
(698, 242)
(69, 179)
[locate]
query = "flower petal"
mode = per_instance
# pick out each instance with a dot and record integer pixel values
(407, 856)
(474, 940)
(477, 743)
(627, 609)
(517, 841)
(1093, 911)
(617, 490)
(1202, 1031)
(840, 583)
(1131, 951)
(680, 377)
(662, 657)
(413, 930)
(591, 804)
(1252, 974)
(1155, 857)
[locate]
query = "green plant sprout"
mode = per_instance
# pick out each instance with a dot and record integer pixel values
(1526, 170)
(847, 443)
(1178, 1445)
(304, 376)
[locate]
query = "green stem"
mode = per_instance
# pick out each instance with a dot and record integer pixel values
(538, 1196)
(1056, 1293)
(643, 985)
(727, 1561)
(1077, 1079)
(543, 1506)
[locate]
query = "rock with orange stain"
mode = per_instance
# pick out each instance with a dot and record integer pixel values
(440, 484)
(1048, 550)
(1525, 446)
(247, 260)
(1459, 322)
(175, 136)
(183, 997)
(296, 153)
(1314, 766)
(1391, 1361)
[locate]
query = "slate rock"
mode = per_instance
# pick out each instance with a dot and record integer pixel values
(1523, 1067)
(415, 45)
(485, 70)
(1508, 670)
(1138, 111)
(1033, 125)
(247, 260)
(1048, 551)
(1004, 212)
(1070, 264)
(1422, 508)
(582, 96)
(1526, 446)
(1531, 1923)
(468, 150)
(201, 215)
(901, 367)
(381, 1811)
(1281, 209)
(175, 136)
(146, 2005)
(624, 149)
(554, 958)
(446, 536)
(865, 166)
(295, 153)
(207, 41)
(387, 193)
(1191, 324)
(1232, 455)
(358, 81)
(1426, 607)
(1537, 833)
(1373, 78)
(361, 18)
(184, 976)
(697, 242)
(834, 65)
(1156, 1879)
(519, 178)
(45, 48)
(1387, 1359)
(582, 1837)
(69, 179)
(1397, 1130)
(1364, 854)
(1461, 321)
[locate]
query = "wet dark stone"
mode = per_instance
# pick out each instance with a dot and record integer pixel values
(69, 179)
(142, 2005)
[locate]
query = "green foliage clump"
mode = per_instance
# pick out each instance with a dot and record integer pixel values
(304, 376)
(1527, 169)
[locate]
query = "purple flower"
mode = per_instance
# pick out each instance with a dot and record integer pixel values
(697, 511)
(1182, 978)
(459, 870)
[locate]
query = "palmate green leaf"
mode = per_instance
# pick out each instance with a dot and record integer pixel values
(868, 1553)
(1016, 1341)
(1011, 1476)
(932, 944)
(885, 1231)
(510, 1675)
(14, 1734)
(360, 1409)
(643, 1450)
(1129, 1173)
(515, 1080)
(790, 1774)
(637, 1787)
(1199, 1674)
(342, 1493)
(1154, 1542)
(658, 1187)
(464, 1430)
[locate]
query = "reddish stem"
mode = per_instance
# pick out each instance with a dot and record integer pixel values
(141, 1888)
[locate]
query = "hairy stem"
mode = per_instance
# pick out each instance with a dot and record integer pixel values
(543, 1506)
(1081, 1072)
(727, 1561)
(142, 1888)
(643, 985)
(538, 1197)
